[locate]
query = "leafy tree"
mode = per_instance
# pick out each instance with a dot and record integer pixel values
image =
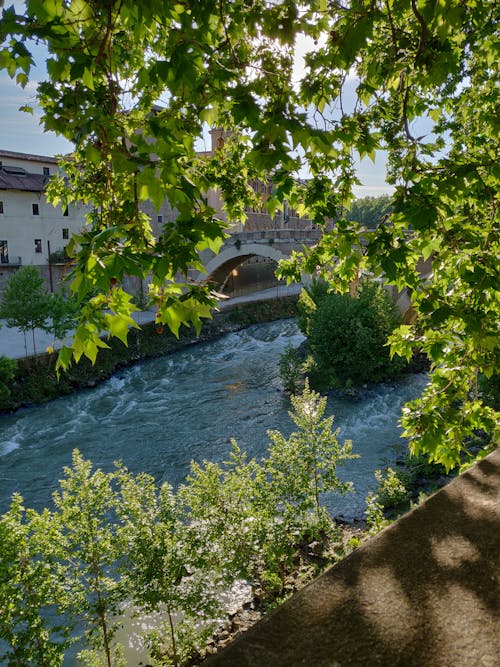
(370, 211)
(90, 543)
(167, 567)
(256, 513)
(24, 302)
(426, 92)
(231, 504)
(115, 538)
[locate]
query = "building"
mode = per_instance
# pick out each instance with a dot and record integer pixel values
(31, 229)
(33, 232)
(258, 217)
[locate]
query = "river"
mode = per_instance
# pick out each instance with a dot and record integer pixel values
(160, 414)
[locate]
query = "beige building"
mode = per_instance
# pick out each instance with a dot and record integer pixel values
(31, 229)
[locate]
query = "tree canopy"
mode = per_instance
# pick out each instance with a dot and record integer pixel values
(425, 77)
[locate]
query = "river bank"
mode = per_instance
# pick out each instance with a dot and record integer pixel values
(35, 380)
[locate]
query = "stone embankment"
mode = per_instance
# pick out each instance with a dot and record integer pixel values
(36, 381)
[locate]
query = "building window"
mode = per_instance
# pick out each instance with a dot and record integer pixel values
(65, 233)
(46, 171)
(36, 209)
(38, 245)
(1, 206)
(66, 212)
(4, 252)
(160, 218)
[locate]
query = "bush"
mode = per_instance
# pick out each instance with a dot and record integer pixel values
(309, 300)
(291, 370)
(393, 488)
(7, 370)
(347, 336)
(393, 492)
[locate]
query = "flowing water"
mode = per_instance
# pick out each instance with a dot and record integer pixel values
(160, 414)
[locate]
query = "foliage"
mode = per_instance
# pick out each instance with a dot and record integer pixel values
(401, 488)
(229, 501)
(418, 467)
(426, 92)
(24, 302)
(167, 566)
(309, 299)
(392, 492)
(489, 388)
(270, 506)
(29, 589)
(89, 542)
(347, 335)
(62, 313)
(7, 371)
(290, 365)
(115, 538)
(303, 467)
(200, 59)
(392, 487)
(369, 211)
(374, 513)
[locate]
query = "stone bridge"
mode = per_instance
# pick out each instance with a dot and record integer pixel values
(273, 244)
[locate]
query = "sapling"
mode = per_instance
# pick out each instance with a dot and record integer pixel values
(30, 590)
(24, 302)
(304, 466)
(90, 541)
(168, 568)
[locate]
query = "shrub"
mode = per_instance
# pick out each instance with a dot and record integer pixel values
(347, 336)
(7, 371)
(309, 300)
(291, 370)
(393, 488)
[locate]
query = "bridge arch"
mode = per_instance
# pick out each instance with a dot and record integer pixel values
(232, 256)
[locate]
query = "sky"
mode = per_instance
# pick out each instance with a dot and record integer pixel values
(22, 132)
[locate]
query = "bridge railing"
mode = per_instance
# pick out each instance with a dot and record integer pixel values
(306, 235)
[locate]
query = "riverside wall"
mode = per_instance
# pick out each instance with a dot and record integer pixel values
(36, 380)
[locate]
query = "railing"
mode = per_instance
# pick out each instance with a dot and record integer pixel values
(278, 234)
